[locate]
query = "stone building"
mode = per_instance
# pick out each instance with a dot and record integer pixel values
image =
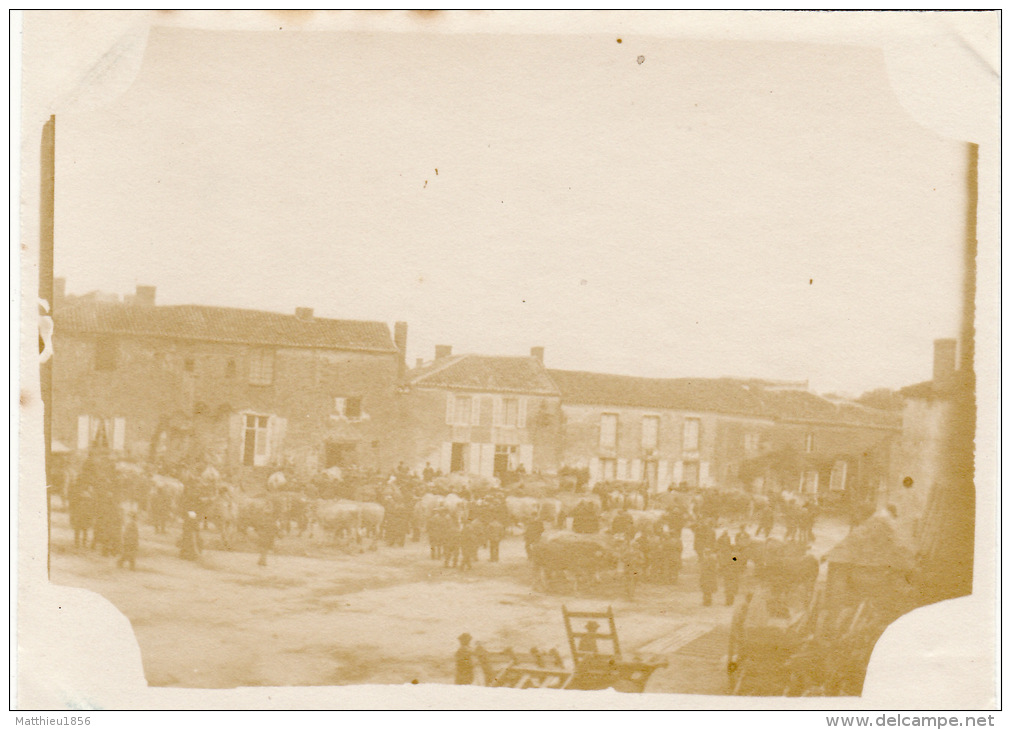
(246, 390)
(723, 432)
(479, 414)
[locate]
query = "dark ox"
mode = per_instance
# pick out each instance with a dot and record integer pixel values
(578, 559)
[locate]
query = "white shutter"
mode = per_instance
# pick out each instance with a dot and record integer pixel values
(83, 433)
(521, 419)
(446, 456)
(496, 419)
(118, 434)
(276, 430)
(679, 472)
(474, 467)
(235, 435)
(704, 474)
(636, 474)
(622, 474)
(594, 470)
(662, 480)
(475, 410)
(488, 460)
(527, 457)
(450, 410)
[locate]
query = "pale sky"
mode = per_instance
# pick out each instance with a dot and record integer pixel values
(722, 208)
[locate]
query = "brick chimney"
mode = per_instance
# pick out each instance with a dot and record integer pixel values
(538, 353)
(144, 296)
(945, 351)
(304, 313)
(442, 351)
(400, 340)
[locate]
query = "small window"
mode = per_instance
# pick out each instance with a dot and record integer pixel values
(752, 442)
(261, 367)
(650, 432)
(230, 369)
(188, 365)
(463, 410)
(691, 474)
(255, 445)
(510, 411)
(106, 352)
(809, 443)
(608, 470)
(349, 407)
(609, 431)
(690, 441)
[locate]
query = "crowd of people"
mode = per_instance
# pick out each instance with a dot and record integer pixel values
(652, 552)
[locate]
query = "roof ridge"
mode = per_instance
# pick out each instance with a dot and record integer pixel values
(451, 360)
(134, 307)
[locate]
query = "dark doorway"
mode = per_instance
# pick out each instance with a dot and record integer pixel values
(457, 459)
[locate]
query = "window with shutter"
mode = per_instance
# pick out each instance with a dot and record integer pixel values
(650, 432)
(609, 431)
(261, 367)
(463, 410)
(256, 444)
(510, 412)
(690, 441)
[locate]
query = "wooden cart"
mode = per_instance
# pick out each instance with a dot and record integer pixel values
(597, 661)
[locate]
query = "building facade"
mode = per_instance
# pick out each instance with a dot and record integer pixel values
(727, 433)
(480, 415)
(245, 390)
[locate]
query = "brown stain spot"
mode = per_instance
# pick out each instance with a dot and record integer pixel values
(810, 281)
(25, 398)
(619, 40)
(640, 60)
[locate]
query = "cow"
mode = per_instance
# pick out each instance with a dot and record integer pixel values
(222, 511)
(579, 559)
(372, 516)
(571, 500)
(646, 521)
(550, 510)
(522, 509)
(340, 517)
(456, 505)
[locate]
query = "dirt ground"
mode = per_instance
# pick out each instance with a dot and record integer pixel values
(321, 615)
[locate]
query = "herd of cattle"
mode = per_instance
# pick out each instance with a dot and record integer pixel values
(570, 535)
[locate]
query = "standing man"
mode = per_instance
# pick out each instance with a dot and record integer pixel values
(496, 531)
(708, 581)
(131, 542)
(266, 534)
(190, 544)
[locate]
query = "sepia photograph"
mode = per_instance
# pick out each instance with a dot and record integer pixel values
(450, 354)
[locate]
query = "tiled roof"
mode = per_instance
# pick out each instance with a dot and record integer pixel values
(719, 395)
(223, 324)
(485, 373)
(682, 393)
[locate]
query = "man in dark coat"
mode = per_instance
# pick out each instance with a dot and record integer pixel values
(470, 539)
(584, 518)
(266, 533)
(623, 525)
(464, 661)
(532, 533)
(708, 580)
(495, 533)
